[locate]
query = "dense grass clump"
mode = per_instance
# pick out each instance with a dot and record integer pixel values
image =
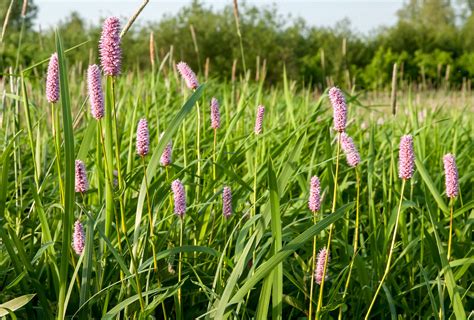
(204, 220)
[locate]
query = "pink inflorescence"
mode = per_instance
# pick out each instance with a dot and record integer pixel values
(179, 198)
(314, 202)
(109, 46)
(78, 241)
(226, 202)
(215, 114)
(339, 108)
(94, 88)
(318, 273)
(352, 155)
(451, 173)
(406, 161)
(52, 79)
(143, 138)
(82, 185)
(165, 159)
(259, 119)
(188, 75)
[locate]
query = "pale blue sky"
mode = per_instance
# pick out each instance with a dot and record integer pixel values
(364, 15)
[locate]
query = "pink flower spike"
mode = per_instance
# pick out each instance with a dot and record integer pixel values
(109, 47)
(215, 114)
(259, 119)
(52, 79)
(339, 108)
(451, 173)
(179, 198)
(188, 75)
(79, 239)
(143, 138)
(165, 159)
(82, 185)
(318, 274)
(226, 202)
(352, 155)
(406, 160)
(314, 202)
(94, 88)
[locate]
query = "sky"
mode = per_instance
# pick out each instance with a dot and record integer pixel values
(365, 16)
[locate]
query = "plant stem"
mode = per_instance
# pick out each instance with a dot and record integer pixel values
(150, 216)
(328, 247)
(387, 268)
(214, 176)
(56, 140)
(179, 309)
(313, 267)
(450, 228)
(198, 151)
(356, 240)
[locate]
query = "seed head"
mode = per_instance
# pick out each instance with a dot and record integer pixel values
(318, 275)
(352, 155)
(406, 160)
(109, 47)
(78, 241)
(143, 138)
(215, 115)
(82, 185)
(179, 198)
(188, 75)
(165, 159)
(52, 79)
(227, 202)
(339, 108)
(259, 119)
(94, 87)
(451, 173)
(314, 202)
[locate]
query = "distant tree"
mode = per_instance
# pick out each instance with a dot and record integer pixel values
(16, 18)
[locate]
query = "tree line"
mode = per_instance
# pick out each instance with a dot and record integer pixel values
(431, 43)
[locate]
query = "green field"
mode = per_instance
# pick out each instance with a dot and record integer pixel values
(141, 261)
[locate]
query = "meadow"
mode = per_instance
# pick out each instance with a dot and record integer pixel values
(230, 223)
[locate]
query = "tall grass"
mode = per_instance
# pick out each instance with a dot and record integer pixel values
(258, 258)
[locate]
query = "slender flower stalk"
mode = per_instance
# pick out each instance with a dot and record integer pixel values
(79, 239)
(328, 246)
(356, 241)
(52, 79)
(52, 95)
(109, 47)
(165, 159)
(215, 124)
(452, 191)
(143, 146)
(406, 168)
(180, 210)
(82, 185)
(339, 108)
(96, 95)
(314, 204)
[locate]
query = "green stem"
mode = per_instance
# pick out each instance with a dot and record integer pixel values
(313, 267)
(179, 309)
(198, 151)
(356, 241)
(450, 228)
(150, 217)
(387, 268)
(56, 140)
(328, 247)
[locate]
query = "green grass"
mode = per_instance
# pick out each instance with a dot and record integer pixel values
(250, 265)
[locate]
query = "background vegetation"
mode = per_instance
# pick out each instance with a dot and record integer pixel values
(432, 42)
